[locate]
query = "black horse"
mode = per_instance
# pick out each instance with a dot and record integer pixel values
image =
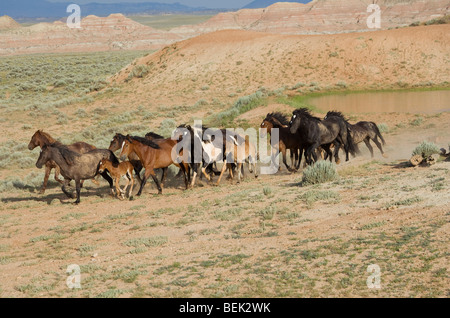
(363, 131)
(75, 166)
(314, 132)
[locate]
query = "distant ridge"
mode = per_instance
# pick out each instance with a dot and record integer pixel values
(258, 4)
(18, 9)
(7, 23)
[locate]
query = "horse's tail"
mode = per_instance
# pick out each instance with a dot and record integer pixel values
(377, 131)
(352, 146)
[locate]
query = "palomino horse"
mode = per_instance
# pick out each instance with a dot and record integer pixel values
(41, 139)
(152, 156)
(75, 166)
(363, 131)
(288, 141)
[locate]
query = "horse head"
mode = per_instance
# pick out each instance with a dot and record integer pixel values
(35, 140)
(43, 157)
(294, 123)
(116, 142)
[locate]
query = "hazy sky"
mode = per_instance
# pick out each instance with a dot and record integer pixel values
(191, 3)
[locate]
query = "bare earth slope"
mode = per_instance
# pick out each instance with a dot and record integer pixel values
(224, 62)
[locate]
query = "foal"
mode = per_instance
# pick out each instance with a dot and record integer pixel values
(123, 169)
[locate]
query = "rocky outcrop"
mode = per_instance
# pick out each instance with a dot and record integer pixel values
(114, 32)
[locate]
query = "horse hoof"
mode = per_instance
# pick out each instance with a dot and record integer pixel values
(42, 191)
(385, 155)
(131, 198)
(338, 161)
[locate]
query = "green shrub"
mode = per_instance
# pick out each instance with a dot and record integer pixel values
(138, 71)
(426, 149)
(383, 128)
(321, 171)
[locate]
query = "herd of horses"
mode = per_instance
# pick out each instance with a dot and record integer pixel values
(197, 149)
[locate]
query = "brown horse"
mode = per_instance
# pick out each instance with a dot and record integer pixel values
(117, 171)
(152, 156)
(41, 139)
(118, 139)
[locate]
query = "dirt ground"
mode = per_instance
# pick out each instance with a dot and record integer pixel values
(263, 237)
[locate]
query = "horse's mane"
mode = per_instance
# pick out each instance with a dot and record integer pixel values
(336, 114)
(68, 155)
(46, 135)
(304, 112)
(143, 141)
(279, 117)
(153, 135)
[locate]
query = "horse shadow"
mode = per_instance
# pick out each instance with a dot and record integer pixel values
(49, 199)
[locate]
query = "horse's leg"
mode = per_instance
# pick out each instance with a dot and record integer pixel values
(144, 181)
(106, 176)
(130, 177)
(337, 147)
(78, 189)
(137, 165)
(311, 152)
(282, 149)
(57, 172)
(155, 179)
(328, 152)
(274, 155)
(300, 154)
(119, 191)
(48, 169)
(369, 146)
(230, 171)
(183, 170)
(63, 188)
(239, 166)
(375, 140)
(222, 171)
(194, 173)
(163, 177)
(295, 163)
(204, 172)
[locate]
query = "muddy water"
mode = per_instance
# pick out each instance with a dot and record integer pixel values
(386, 102)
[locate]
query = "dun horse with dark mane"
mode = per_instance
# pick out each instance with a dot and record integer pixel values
(363, 131)
(75, 166)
